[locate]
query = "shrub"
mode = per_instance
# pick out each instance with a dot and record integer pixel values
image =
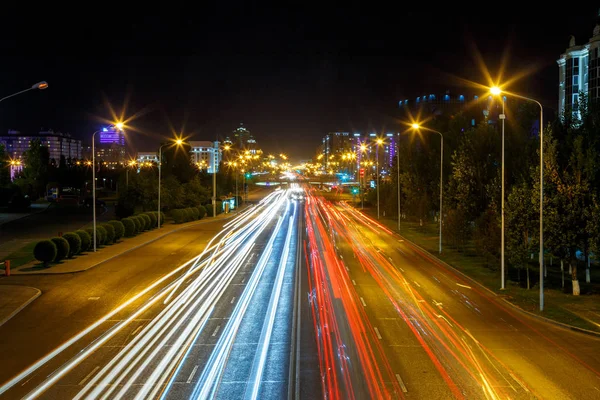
(110, 233)
(187, 215)
(86, 240)
(178, 216)
(147, 221)
(153, 219)
(102, 234)
(74, 243)
(219, 207)
(45, 251)
(62, 248)
(119, 229)
(162, 218)
(129, 226)
(202, 211)
(138, 223)
(195, 213)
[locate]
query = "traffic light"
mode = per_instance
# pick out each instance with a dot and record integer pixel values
(362, 172)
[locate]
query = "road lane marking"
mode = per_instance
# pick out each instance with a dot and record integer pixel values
(377, 333)
(437, 304)
(417, 283)
(363, 302)
(88, 376)
(189, 380)
(400, 250)
(188, 281)
(400, 269)
(216, 330)
(232, 300)
(24, 383)
(93, 298)
(243, 280)
(136, 330)
(465, 286)
(401, 382)
(353, 282)
(444, 318)
(520, 383)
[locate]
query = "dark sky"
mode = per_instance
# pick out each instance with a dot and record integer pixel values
(290, 74)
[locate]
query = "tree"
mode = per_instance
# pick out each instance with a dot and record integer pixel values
(487, 233)
(520, 228)
(4, 167)
(35, 169)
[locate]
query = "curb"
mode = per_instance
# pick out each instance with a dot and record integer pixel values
(125, 251)
(514, 306)
(32, 298)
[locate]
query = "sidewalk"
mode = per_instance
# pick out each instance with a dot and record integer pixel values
(14, 298)
(91, 259)
(34, 209)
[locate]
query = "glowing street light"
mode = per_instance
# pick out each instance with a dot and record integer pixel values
(38, 86)
(497, 91)
(417, 126)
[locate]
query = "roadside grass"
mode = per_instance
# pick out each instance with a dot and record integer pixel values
(559, 304)
(22, 256)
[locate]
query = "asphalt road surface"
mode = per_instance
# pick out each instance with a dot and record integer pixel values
(440, 335)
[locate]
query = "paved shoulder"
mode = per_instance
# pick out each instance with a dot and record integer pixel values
(14, 298)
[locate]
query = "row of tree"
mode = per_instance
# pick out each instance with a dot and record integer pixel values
(472, 189)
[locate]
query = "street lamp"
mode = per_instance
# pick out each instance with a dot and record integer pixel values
(416, 126)
(177, 142)
(379, 143)
(497, 91)
(40, 85)
(398, 176)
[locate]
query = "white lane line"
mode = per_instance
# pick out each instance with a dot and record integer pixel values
(93, 298)
(136, 330)
(232, 300)
(216, 330)
(188, 281)
(353, 282)
(88, 376)
(363, 302)
(189, 380)
(400, 250)
(390, 258)
(341, 256)
(401, 382)
(520, 383)
(24, 383)
(244, 280)
(377, 333)
(400, 269)
(417, 283)
(465, 286)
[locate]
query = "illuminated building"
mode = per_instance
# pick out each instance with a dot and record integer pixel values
(206, 155)
(111, 145)
(58, 143)
(579, 71)
(243, 140)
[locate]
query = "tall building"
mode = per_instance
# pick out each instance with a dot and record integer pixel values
(334, 145)
(243, 140)
(111, 146)
(147, 156)
(58, 143)
(206, 155)
(579, 72)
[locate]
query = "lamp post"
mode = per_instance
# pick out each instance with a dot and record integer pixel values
(496, 90)
(178, 142)
(379, 143)
(417, 127)
(40, 85)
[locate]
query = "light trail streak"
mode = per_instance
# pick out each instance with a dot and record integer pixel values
(193, 306)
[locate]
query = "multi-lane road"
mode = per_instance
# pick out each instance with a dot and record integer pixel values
(295, 297)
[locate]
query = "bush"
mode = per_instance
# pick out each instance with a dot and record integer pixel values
(209, 210)
(153, 219)
(129, 226)
(138, 223)
(202, 211)
(162, 218)
(147, 222)
(178, 216)
(74, 243)
(187, 214)
(110, 233)
(195, 213)
(45, 251)
(119, 229)
(102, 234)
(219, 207)
(86, 240)
(62, 248)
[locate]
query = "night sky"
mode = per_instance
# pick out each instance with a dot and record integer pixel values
(289, 74)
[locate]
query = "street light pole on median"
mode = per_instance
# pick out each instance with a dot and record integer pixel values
(40, 85)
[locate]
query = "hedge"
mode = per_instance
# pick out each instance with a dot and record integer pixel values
(138, 223)
(110, 233)
(62, 248)
(74, 243)
(147, 222)
(101, 231)
(153, 219)
(45, 251)
(202, 211)
(129, 226)
(119, 229)
(86, 240)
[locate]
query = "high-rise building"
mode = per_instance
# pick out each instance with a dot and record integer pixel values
(58, 143)
(244, 140)
(111, 146)
(579, 72)
(206, 155)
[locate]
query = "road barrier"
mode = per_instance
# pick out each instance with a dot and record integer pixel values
(6, 264)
